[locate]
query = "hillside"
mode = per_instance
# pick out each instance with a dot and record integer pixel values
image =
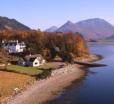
(110, 38)
(67, 27)
(96, 28)
(11, 24)
(51, 29)
(91, 29)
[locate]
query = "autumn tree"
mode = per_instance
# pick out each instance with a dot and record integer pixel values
(35, 41)
(1, 38)
(80, 49)
(66, 45)
(7, 34)
(4, 58)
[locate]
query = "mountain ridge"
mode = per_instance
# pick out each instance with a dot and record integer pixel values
(94, 28)
(12, 24)
(51, 29)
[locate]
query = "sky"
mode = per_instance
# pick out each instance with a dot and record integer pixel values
(46, 13)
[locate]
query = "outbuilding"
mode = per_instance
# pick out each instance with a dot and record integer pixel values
(32, 60)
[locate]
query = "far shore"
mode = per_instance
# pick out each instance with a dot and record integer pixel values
(47, 89)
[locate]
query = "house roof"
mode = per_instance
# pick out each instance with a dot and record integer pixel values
(33, 56)
(32, 59)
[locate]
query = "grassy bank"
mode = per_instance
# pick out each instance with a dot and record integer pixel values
(9, 81)
(31, 71)
(25, 70)
(15, 76)
(19, 77)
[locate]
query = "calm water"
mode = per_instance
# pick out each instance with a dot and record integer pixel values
(98, 86)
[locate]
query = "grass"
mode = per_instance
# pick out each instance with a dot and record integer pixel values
(49, 66)
(32, 71)
(9, 81)
(19, 77)
(23, 70)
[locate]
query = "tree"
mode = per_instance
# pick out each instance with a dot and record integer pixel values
(1, 38)
(36, 41)
(7, 34)
(81, 48)
(4, 58)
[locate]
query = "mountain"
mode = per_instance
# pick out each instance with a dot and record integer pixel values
(52, 29)
(91, 29)
(95, 28)
(67, 27)
(11, 24)
(110, 38)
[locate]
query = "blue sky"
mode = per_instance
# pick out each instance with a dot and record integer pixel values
(45, 13)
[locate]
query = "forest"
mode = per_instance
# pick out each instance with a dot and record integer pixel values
(65, 45)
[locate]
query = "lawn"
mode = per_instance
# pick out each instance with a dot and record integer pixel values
(32, 71)
(16, 77)
(23, 70)
(19, 77)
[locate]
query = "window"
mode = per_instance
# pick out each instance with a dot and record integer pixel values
(36, 63)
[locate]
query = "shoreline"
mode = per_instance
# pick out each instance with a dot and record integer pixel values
(45, 90)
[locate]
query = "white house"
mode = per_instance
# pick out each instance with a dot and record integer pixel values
(13, 46)
(32, 60)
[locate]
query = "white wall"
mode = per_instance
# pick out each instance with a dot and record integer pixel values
(36, 61)
(14, 48)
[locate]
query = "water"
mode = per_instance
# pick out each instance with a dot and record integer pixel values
(98, 86)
